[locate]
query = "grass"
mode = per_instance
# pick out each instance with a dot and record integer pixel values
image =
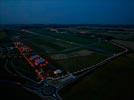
(12, 91)
(25, 69)
(2, 35)
(52, 42)
(113, 82)
(128, 44)
(121, 35)
(107, 47)
(77, 63)
(66, 37)
(48, 43)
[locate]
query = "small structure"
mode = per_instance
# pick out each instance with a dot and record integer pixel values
(36, 61)
(58, 71)
(34, 57)
(39, 61)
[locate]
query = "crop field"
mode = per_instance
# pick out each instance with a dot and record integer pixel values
(72, 64)
(67, 37)
(128, 44)
(64, 48)
(112, 82)
(25, 69)
(41, 53)
(121, 35)
(69, 40)
(107, 47)
(2, 35)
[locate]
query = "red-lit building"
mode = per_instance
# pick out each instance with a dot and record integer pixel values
(36, 61)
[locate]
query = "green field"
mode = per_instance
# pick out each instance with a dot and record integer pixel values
(128, 44)
(121, 35)
(14, 91)
(61, 41)
(107, 47)
(25, 69)
(2, 35)
(77, 63)
(66, 37)
(47, 43)
(113, 82)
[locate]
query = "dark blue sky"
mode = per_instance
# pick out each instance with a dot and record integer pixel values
(66, 11)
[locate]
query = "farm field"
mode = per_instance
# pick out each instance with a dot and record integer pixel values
(60, 44)
(60, 55)
(129, 44)
(2, 35)
(76, 63)
(23, 68)
(112, 82)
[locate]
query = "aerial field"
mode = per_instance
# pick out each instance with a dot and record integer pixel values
(24, 69)
(121, 35)
(107, 47)
(2, 35)
(129, 44)
(112, 82)
(70, 37)
(77, 60)
(70, 51)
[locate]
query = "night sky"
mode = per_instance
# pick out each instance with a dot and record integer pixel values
(66, 11)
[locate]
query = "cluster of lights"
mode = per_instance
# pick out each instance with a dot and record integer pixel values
(36, 61)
